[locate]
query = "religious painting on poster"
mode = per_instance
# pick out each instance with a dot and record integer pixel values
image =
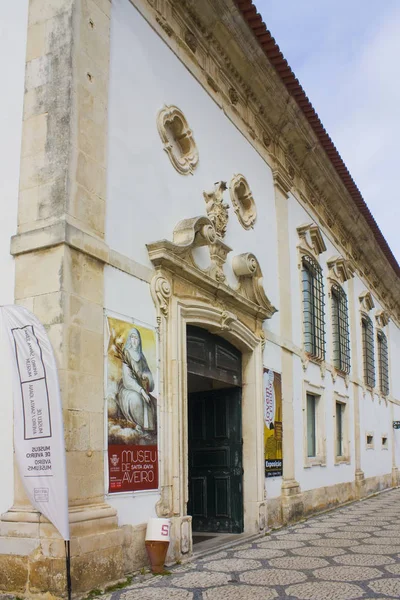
(131, 407)
(273, 424)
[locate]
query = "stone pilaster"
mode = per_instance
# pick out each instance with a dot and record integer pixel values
(354, 319)
(60, 222)
(292, 503)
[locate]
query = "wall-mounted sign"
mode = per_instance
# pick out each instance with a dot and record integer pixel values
(273, 432)
(396, 424)
(131, 407)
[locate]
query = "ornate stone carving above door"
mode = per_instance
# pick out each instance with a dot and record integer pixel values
(249, 298)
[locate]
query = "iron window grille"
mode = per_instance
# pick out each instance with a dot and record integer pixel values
(368, 351)
(340, 326)
(383, 363)
(313, 308)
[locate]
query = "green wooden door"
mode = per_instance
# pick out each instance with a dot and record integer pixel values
(215, 461)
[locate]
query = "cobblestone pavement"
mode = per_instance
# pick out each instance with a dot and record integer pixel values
(348, 553)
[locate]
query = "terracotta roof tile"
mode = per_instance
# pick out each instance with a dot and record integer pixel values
(275, 56)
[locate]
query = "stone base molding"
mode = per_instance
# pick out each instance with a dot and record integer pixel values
(32, 562)
(360, 483)
(292, 502)
(181, 544)
(294, 505)
(395, 477)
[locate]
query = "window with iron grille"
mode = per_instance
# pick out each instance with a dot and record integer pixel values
(340, 327)
(383, 363)
(313, 307)
(368, 351)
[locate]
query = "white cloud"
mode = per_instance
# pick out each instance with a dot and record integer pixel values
(345, 55)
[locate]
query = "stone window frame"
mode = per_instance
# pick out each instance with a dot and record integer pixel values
(369, 445)
(368, 351)
(317, 294)
(243, 202)
(344, 401)
(340, 329)
(383, 362)
(384, 446)
(319, 460)
(177, 139)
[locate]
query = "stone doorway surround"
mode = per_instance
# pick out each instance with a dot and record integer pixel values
(185, 295)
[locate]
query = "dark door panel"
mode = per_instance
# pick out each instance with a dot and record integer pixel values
(213, 357)
(215, 461)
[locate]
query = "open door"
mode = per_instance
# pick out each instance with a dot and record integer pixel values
(215, 461)
(214, 434)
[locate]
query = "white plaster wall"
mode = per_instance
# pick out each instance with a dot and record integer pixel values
(130, 297)
(147, 197)
(375, 416)
(13, 27)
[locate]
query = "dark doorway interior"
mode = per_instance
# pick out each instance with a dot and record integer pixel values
(215, 434)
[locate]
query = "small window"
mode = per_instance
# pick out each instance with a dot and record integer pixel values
(340, 326)
(370, 440)
(384, 443)
(383, 363)
(313, 307)
(311, 425)
(368, 351)
(339, 428)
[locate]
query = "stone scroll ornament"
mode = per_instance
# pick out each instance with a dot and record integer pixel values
(177, 257)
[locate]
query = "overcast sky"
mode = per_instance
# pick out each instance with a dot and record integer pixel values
(346, 56)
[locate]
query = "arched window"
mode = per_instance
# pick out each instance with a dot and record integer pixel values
(340, 328)
(383, 363)
(313, 308)
(368, 351)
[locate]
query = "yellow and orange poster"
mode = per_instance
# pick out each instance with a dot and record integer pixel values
(273, 423)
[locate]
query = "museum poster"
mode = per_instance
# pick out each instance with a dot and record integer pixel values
(131, 407)
(273, 424)
(38, 419)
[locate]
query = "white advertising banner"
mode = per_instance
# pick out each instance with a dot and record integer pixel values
(38, 422)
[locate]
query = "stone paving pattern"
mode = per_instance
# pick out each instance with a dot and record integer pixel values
(349, 553)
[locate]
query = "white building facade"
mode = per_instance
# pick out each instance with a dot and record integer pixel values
(223, 309)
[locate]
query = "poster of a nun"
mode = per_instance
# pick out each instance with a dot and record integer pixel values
(131, 406)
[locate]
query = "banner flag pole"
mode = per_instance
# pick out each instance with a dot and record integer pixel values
(68, 565)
